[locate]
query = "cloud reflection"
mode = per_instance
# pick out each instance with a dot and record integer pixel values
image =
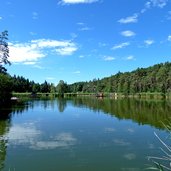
(19, 135)
(61, 140)
(31, 137)
(110, 130)
(130, 156)
(121, 142)
(130, 130)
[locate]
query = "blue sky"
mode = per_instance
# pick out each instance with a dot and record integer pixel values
(79, 40)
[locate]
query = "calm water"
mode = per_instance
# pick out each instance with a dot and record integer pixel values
(81, 134)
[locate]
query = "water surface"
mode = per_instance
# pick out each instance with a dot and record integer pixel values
(81, 134)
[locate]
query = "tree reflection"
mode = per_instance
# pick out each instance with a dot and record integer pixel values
(155, 113)
(62, 103)
(5, 119)
(6, 114)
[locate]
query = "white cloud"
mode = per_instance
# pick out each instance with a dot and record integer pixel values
(36, 49)
(109, 58)
(128, 33)
(156, 3)
(80, 23)
(149, 42)
(35, 15)
(73, 35)
(77, 1)
(33, 33)
(48, 43)
(148, 4)
(24, 53)
(68, 50)
(81, 56)
(169, 15)
(29, 63)
(120, 46)
(131, 19)
(102, 44)
(85, 29)
(0, 18)
(169, 38)
(38, 67)
(131, 57)
(76, 72)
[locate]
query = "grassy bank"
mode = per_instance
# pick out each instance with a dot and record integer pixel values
(122, 95)
(105, 94)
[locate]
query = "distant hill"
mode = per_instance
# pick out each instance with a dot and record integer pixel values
(156, 78)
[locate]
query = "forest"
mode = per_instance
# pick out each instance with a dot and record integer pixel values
(154, 79)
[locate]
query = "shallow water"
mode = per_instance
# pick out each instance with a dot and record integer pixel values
(81, 134)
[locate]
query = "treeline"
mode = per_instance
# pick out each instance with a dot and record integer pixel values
(20, 84)
(156, 78)
(153, 79)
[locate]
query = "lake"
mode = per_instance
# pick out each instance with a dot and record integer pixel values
(82, 134)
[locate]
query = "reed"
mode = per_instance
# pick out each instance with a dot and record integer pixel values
(163, 162)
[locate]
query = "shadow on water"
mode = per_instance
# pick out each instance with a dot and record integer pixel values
(151, 112)
(154, 113)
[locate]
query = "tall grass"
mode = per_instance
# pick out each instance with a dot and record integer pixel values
(163, 162)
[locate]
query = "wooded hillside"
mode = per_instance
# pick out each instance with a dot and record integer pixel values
(156, 78)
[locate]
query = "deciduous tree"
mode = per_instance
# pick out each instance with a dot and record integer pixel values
(4, 51)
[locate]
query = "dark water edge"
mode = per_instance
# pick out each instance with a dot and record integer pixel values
(152, 112)
(155, 112)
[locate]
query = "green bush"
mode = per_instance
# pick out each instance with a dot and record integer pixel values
(5, 88)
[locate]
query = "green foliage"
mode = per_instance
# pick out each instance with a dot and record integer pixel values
(4, 51)
(5, 88)
(21, 84)
(5, 79)
(155, 79)
(62, 88)
(152, 79)
(45, 87)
